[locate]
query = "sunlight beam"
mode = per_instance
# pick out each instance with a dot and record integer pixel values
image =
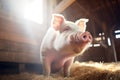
(33, 11)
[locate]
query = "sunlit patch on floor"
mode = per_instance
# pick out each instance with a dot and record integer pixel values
(100, 65)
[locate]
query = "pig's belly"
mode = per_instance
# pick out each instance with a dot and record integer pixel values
(57, 61)
(57, 65)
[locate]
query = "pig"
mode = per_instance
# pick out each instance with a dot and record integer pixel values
(63, 41)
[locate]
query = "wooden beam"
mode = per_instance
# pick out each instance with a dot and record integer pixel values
(63, 5)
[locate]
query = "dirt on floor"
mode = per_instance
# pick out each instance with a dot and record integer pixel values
(79, 71)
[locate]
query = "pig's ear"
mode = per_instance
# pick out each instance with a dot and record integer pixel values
(57, 21)
(82, 24)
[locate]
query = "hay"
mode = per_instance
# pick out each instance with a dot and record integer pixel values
(95, 71)
(32, 76)
(79, 71)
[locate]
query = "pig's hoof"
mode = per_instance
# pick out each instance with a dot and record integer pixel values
(66, 75)
(46, 75)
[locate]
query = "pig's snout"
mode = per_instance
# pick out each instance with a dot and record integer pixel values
(86, 37)
(81, 37)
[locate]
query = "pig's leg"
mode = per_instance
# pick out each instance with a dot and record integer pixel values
(67, 66)
(46, 66)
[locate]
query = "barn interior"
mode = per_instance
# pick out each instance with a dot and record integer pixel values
(24, 23)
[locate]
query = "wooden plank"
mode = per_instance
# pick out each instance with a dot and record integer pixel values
(63, 5)
(11, 51)
(7, 45)
(17, 38)
(19, 57)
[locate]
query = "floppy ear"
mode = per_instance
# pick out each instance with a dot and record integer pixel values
(82, 24)
(57, 21)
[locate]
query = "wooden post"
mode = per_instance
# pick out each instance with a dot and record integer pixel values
(113, 45)
(21, 67)
(63, 5)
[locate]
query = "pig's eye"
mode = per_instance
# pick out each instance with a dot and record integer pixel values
(67, 28)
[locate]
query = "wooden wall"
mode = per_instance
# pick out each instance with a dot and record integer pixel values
(20, 40)
(97, 54)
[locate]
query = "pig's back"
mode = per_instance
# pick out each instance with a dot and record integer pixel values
(48, 39)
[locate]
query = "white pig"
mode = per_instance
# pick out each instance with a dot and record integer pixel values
(63, 41)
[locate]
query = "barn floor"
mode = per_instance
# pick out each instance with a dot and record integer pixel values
(79, 71)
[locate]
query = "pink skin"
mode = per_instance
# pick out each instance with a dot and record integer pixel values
(62, 44)
(80, 40)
